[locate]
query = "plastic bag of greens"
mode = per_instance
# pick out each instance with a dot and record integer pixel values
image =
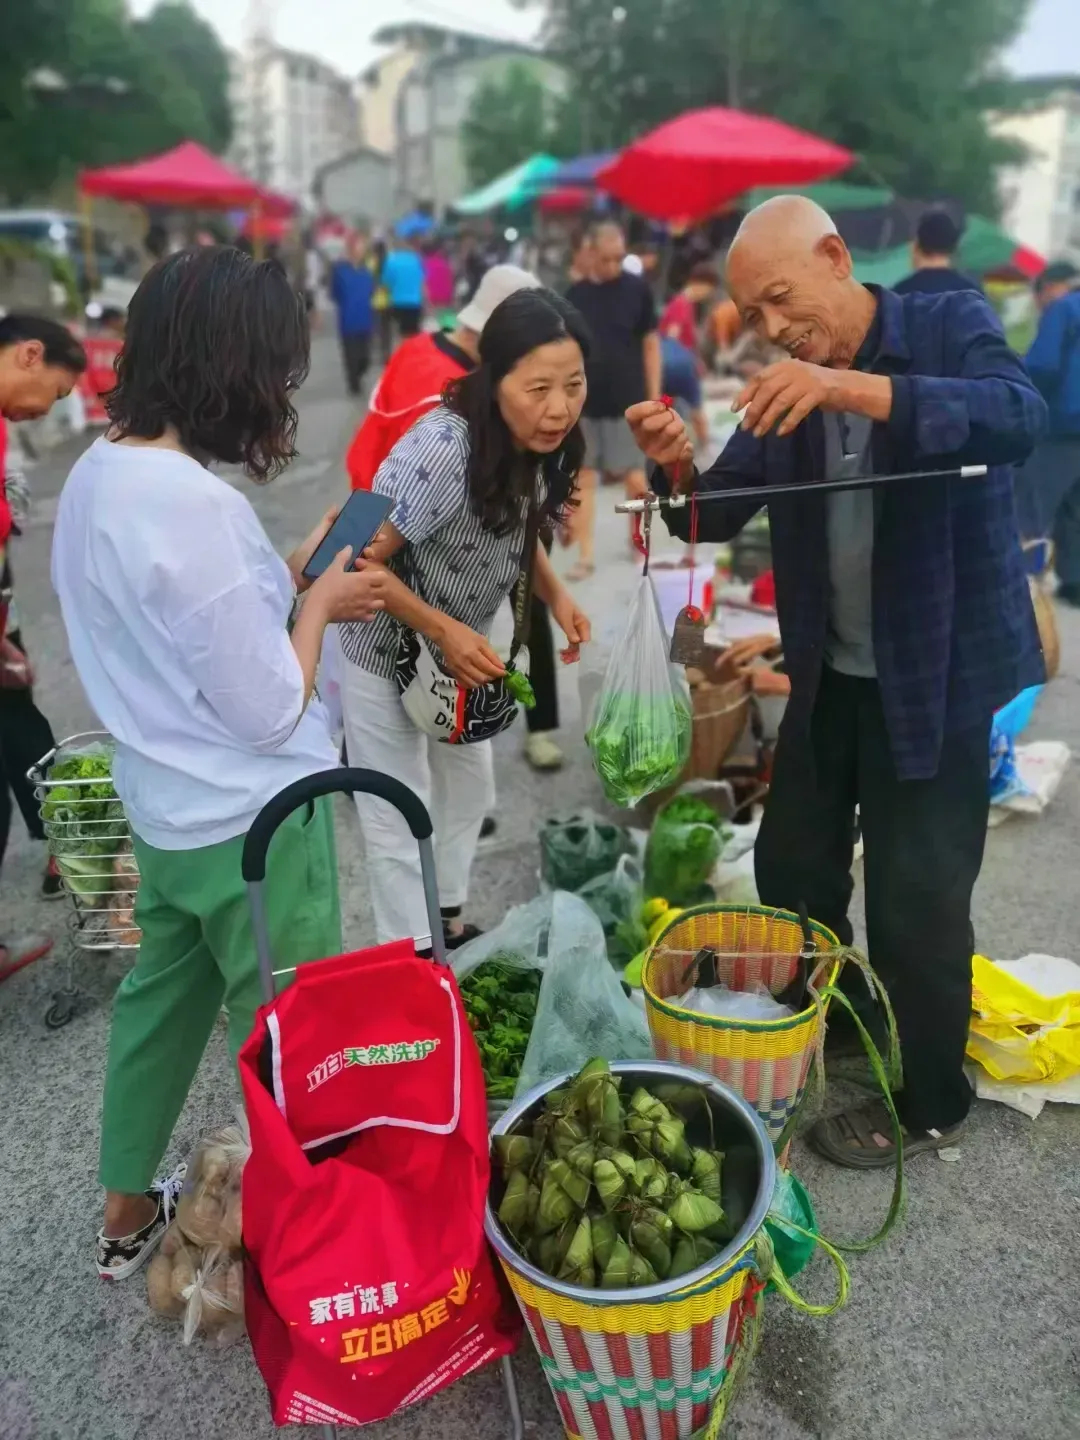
(684, 844)
(639, 725)
(615, 899)
(576, 849)
(499, 976)
(583, 1011)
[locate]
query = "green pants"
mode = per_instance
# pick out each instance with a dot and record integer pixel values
(197, 952)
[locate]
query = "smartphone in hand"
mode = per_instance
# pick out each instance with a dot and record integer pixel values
(357, 525)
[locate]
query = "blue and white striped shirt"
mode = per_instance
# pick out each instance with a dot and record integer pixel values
(450, 559)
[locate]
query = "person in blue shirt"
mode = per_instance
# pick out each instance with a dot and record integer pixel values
(905, 616)
(403, 278)
(352, 288)
(1051, 480)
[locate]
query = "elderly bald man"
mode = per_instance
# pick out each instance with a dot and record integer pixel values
(905, 616)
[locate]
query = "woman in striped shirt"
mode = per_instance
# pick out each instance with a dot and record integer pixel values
(464, 479)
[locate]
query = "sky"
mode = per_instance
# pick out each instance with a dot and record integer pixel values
(332, 29)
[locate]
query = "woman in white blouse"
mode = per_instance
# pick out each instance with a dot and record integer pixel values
(177, 609)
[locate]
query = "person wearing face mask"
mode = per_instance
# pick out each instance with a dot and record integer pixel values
(905, 617)
(471, 481)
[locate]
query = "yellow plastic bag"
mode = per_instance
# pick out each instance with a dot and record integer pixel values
(1025, 1023)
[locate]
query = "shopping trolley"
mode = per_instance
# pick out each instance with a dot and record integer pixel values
(89, 838)
(348, 781)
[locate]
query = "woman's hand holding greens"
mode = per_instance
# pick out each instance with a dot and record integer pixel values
(468, 656)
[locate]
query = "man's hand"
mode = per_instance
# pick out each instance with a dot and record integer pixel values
(573, 623)
(469, 657)
(784, 394)
(660, 435)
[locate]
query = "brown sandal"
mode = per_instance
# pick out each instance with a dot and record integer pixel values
(861, 1138)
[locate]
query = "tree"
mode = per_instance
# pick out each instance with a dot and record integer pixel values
(510, 117)
(902, 84)
(191, 48)
(83, 85)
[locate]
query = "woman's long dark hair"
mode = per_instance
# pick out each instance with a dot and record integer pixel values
(214, 344)
(500, 476)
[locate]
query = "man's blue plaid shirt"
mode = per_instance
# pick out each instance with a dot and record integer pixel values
(954, 630)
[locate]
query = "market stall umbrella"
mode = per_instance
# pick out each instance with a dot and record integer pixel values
(582, 170)
(690, 167)
(511, 190)
(187, 177)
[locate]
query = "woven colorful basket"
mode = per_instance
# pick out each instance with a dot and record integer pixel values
(653, 1363)
(765, 1061)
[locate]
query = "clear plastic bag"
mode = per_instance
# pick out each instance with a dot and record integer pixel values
(640, 723)
(615, 899)
(202, 1287)
(576, 849)
(208, 1209)
(583, 1010)
(685, 843)
(718, 1000)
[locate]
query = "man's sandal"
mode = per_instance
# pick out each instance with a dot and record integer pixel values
(861, 1138)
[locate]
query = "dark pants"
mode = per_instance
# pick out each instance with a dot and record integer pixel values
(25, 736)
(544, 715)
(1048, 501)
(923, 849)
(356, 353)
(407, 320)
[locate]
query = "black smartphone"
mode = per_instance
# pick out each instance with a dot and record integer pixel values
(357, 525)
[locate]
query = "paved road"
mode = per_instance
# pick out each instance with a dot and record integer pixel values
(963, 1326)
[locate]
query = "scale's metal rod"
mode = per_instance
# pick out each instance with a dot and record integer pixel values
(766, 493)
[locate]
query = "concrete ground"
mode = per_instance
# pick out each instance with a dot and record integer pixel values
(963, 1326)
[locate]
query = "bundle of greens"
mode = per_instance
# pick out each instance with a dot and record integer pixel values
(520, 687)
(500, 1001)
(684, 844)
(638, 744)
(608, 1192)
(85, 822)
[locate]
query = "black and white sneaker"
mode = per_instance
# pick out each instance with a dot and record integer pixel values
(118, 1258)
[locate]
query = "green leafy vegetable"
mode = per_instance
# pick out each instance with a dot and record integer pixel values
(520, 687)
(84, 820)
(500, 1001)
(639, 745)
(684, 845)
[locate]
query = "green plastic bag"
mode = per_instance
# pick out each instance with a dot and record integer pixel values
(580, 847)
(791, 1202)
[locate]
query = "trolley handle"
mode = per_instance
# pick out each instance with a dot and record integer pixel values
(344, 781)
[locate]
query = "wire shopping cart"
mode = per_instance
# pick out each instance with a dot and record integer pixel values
(349, 781)
(90, 840)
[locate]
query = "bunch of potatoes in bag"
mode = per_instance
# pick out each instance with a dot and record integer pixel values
(197, 1274)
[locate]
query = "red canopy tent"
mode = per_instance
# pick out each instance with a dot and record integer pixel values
(690, 167)
(187, 177)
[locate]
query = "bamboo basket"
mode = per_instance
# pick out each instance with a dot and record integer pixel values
(765, 1061)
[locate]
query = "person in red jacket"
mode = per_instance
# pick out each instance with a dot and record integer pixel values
(40, 363)
(411, 385)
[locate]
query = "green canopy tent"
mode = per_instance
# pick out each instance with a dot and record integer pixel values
(512, 190)
(834, 196)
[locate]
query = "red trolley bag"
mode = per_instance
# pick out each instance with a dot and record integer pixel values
(368, 1282)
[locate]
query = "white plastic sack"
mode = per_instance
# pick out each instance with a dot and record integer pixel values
(1040, 768)
(583, 1011)
(718, 1000)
